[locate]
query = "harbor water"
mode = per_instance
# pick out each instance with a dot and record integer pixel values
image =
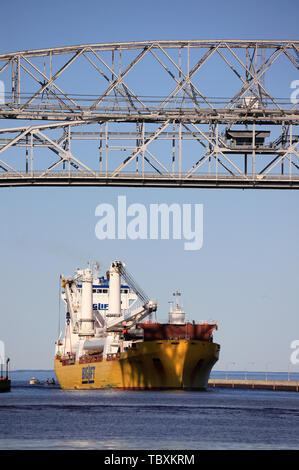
(46, 417)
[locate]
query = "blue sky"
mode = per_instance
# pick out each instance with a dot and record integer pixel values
(246, 274)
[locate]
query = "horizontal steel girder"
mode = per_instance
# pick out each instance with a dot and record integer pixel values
(133, 180)
(43, 84)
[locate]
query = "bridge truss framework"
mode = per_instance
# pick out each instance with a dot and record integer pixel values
(151, 114)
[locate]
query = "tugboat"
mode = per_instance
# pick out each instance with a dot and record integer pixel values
(5, 381)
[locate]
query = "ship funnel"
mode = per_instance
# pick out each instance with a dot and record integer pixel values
(86, 321)
(176, 315)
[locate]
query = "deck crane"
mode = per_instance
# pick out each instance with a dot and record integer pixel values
(70, 287)
(80, 304)
(117, 270)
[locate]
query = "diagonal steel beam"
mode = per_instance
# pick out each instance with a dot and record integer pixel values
(127, 94)
(291, 149)
(291, 59)
(217, 149)
(9, 144)
(60, 71)
(140, 149)
(255, 79)
(62, 158)
(13, 141)
(117, 77)
(198, 164)
(159, 163)
(152, 165)
(194, 135)
(51, 91)
(187, 78)
(174, 78)
(120, 77)
(68, 154)
(53, 84)
(7, 64)
(237, 73)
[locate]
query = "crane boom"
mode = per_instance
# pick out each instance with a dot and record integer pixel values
(66, 283)
(131, 282)
(136, 317)
(138, 314)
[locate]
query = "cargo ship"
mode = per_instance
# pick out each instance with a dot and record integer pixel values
(112, 341)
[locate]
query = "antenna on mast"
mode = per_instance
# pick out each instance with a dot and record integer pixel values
(176, 294)
(96, 270)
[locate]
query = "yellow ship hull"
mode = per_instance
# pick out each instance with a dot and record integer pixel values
(165, 364)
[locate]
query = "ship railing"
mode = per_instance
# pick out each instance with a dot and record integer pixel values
(112, 357)
(176, 338)
(180, 337)
(68, 360)
(89, 359)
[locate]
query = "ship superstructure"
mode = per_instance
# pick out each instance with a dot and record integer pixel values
(108, 342)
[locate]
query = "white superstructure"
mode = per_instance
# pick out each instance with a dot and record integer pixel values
(99, 310)
(176, 315)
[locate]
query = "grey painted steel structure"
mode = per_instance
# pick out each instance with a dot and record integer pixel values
(83, 123)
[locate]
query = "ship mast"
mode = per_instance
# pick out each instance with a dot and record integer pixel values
(176, 315)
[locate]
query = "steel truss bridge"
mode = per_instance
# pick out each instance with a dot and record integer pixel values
(159, 113)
